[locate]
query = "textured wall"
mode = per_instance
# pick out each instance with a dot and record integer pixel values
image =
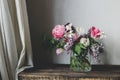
(104, 14)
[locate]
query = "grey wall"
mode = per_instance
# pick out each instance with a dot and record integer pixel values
(104, 14)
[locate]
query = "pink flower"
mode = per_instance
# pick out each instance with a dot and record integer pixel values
(75, 37)
(59, 51)
(95, 33)
(58, 31)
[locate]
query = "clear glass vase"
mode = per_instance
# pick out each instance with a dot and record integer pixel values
(80, 63)
(97, 60)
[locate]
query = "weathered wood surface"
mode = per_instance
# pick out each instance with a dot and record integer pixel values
(64, 73)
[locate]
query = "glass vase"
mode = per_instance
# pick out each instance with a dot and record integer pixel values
(80, 63)
(97, 60)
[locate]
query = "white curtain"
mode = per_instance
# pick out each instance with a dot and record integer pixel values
(15, 44)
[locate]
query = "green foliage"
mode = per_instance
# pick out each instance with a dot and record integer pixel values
(52, 41)
(78, 48)
(82, 46)
(79, 64)
(72, 61)
(92, 41)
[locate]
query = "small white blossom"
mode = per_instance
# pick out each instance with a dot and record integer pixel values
(79, 31)
(70, 35)
(102, 35)
(85, 41)
(69, 27)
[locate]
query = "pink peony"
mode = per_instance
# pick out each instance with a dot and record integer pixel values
(95, 33)
(58, 31)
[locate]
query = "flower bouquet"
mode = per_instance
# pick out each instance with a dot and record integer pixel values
(80, 45)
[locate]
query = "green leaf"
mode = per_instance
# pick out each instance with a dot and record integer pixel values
(73, 62)
(57, 46)
(82, 46)
(62, 44)
(52, 41)
(77, 49)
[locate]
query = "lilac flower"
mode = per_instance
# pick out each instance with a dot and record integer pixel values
(96, 49)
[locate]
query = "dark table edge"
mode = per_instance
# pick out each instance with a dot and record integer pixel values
(94, 67)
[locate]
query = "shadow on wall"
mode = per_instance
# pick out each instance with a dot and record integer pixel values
(0, 77)
(40, 14)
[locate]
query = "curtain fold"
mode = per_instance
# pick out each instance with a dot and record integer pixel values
(15, 44)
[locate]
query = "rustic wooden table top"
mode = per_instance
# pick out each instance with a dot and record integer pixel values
(97, 71)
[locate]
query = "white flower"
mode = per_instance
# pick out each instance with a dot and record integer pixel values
(69, 27)
(66, 46)
(79, 31)
(70, 35)
(102, 35)
(85, 41)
